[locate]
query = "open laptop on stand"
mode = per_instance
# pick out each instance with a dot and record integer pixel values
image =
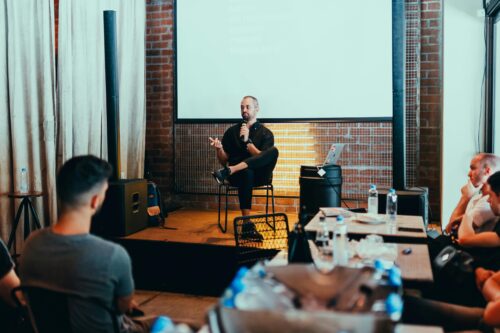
(332, 157)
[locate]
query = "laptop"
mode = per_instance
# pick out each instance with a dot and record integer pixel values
(334, 153)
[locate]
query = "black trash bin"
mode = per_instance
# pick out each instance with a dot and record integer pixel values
(319, 191)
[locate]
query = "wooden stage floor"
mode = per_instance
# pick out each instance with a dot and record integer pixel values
(194, 226)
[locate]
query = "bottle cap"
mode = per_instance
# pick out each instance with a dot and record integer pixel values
(392, 190)
(394, 305)
(228, 302)
(237, 285)
(395, 276)
(379, 265)
(241, 272)
(340, 218)
(373, 187)
(161, 324)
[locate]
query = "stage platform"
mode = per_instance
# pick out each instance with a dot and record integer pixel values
(189, 254)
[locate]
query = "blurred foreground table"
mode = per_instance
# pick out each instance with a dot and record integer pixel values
(415, 266)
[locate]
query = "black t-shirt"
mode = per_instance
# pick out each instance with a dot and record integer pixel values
(236, 150)
(7, 314)
(6, 263)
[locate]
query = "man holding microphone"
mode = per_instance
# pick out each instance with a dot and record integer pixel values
(247, 153)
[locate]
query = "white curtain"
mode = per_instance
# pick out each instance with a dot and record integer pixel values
(81, 81)
(27, 107)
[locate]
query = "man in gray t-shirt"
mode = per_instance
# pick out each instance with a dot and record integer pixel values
(66, 258)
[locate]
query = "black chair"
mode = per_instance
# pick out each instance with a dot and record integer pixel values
(228, 188)
(49, 310)
(257, 240)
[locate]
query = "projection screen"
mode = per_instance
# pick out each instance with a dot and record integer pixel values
(304, 60)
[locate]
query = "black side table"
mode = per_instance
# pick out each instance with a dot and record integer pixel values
(27, 207)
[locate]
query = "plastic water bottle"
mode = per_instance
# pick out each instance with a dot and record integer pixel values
(373, 200)
(24, 180)
(391, 207)
(340, 255)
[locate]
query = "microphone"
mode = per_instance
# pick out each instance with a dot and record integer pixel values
(244, 123)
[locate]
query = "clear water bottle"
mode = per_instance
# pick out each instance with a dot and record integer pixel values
(391, 207)
(340, 255)
(24, 180)
(373, 200)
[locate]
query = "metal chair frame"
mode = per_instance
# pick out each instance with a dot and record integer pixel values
(250, 248)
(229, 188)
(54, 303)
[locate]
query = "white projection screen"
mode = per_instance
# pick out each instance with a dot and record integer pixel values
(307, 60)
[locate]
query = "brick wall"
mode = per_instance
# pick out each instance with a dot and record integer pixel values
(366, 159)
(431, 103)
(160, 93)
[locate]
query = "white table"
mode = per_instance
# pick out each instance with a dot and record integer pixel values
(415, 267)
(391, 232)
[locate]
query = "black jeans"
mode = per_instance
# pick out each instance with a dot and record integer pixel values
(259, 172)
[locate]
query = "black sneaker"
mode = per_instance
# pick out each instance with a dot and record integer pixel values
(221, 174)
(249, 232)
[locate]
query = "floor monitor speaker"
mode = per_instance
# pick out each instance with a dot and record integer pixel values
(320, 186)
(411, 201)
(124, 210)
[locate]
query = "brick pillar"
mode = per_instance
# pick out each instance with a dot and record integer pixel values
(431, 101)
(160, 93)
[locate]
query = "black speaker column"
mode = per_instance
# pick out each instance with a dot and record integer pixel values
(398, 95)
(112, 97)
(125, 208)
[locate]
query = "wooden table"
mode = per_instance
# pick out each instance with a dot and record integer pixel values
(390, 232)
(415, 267)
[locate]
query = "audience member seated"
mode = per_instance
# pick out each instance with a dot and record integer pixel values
(467, 237)
(67, 258)
(455, 317)
(473, 214)
(472, 220)
(8, 281)
(485, 248)
(248, 150)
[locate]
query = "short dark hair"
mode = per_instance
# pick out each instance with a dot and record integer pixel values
(494, 182)
(78, 177)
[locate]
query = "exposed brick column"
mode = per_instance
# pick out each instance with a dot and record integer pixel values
(160, 93)
(431, 101)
